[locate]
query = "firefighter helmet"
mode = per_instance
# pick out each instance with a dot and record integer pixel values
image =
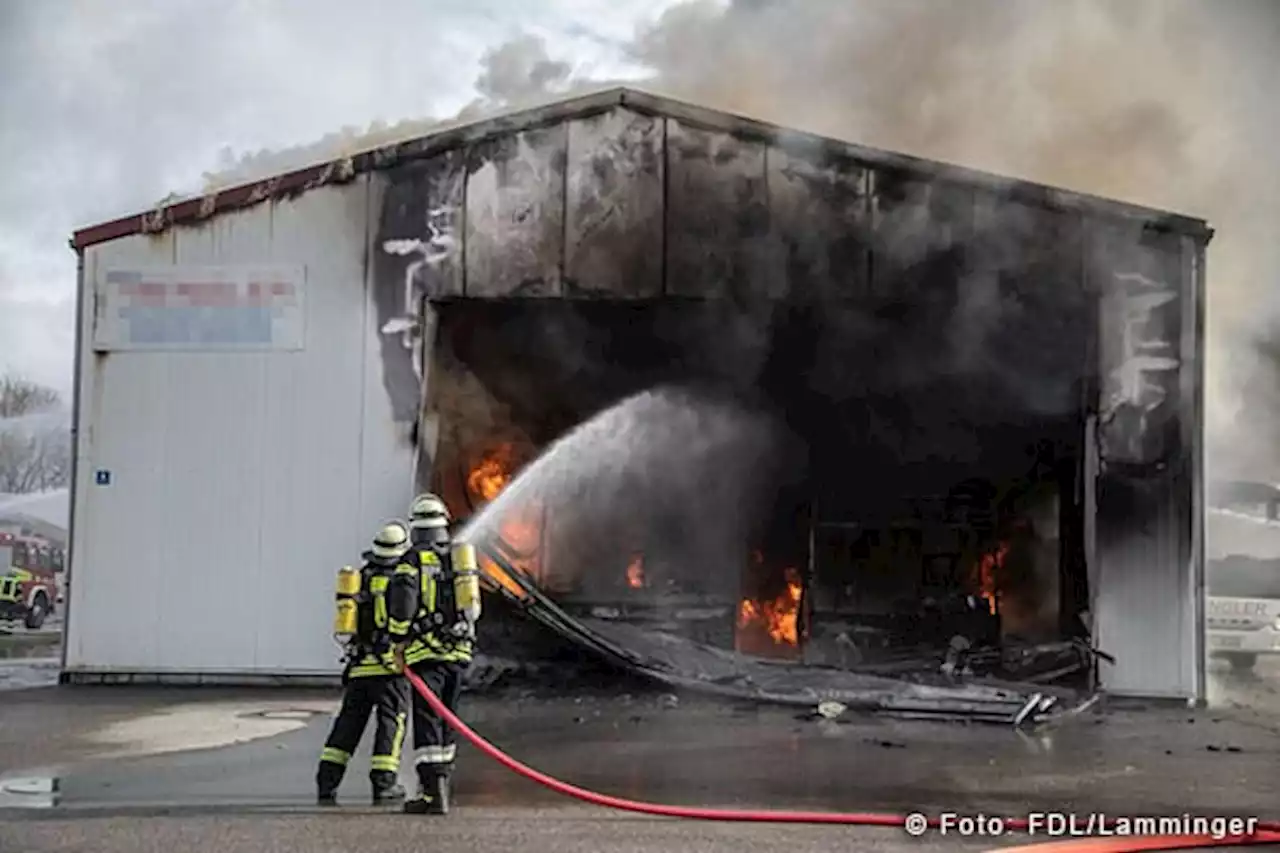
(427, 511)
(391, 541)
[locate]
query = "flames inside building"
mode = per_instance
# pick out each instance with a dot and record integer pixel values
(901, 511)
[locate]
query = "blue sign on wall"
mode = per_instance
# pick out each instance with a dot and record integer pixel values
(102, 477)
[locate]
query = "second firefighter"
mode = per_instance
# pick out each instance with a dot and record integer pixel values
(444, 581)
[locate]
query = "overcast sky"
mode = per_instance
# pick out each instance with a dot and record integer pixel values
(108, 105)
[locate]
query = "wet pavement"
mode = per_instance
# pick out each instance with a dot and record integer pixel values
(706, 753)
(1258, 689)
(30, 658)
(228, 770)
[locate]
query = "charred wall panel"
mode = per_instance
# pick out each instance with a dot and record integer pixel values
(717, 214)
(515, 214)
(918, 224)
(614, 206)
(819, 214)
(1144, 614)
(1023, 312)
(417, 254)
(1140, 336)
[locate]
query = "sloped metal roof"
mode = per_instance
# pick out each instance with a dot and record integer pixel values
(450, 136)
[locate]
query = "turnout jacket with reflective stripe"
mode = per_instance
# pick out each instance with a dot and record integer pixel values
(382, 609)
(422, 586)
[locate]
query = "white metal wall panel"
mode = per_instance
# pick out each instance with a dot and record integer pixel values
(240, 481)
(114, 582)
(211, 404)
(313, 427)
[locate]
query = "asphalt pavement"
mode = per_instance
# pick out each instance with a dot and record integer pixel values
(483, 830)
(139, 769)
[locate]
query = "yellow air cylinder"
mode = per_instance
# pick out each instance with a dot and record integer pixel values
(348, 587)
(466, 582)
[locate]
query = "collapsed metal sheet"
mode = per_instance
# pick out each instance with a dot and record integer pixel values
(685, 664)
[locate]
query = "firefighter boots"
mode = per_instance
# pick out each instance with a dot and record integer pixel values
(433, 792)
(386, 788)
(328, 777)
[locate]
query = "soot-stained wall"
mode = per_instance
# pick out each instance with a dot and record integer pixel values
(1053, 308)
(1045, 310)
(624, 205)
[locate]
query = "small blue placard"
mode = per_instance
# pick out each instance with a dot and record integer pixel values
(102, 477)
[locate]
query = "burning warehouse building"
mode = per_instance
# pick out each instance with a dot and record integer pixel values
(985, 396)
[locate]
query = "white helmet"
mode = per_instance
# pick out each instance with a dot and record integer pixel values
(428, 512)
(391, 541)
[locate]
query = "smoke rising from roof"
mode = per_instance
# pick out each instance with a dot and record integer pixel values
(1160, 102)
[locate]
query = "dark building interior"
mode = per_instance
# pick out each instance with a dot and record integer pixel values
(925, 485)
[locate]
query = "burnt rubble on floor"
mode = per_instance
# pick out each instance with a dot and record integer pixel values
(1008, 685)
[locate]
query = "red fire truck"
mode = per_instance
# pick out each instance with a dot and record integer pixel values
(30, 579)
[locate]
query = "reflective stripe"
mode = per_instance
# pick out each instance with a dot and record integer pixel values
(378, 586)
(404, 569)
(367, 670)
(399, 627)
(435, 754)
(397, 742)
(333, 755)
(419, 652)
(384, 762)
(432, 563)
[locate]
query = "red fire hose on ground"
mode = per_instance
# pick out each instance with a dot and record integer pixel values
(1268, 832)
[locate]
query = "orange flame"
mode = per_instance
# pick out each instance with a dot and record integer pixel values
(778, 618)
(987, 569)
(635, 572)
(519, 530)
(492, 473)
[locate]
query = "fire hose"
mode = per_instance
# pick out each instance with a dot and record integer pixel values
(1267, 832)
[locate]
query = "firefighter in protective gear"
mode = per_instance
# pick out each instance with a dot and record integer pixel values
(371, 683)
(442, 581)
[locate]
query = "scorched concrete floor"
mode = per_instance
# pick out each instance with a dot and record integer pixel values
(161, 769)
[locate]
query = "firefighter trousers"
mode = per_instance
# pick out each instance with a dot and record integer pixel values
(386, 697)
(434, 747)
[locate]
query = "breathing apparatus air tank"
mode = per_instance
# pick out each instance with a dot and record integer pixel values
(345, 619)
(466, 582)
